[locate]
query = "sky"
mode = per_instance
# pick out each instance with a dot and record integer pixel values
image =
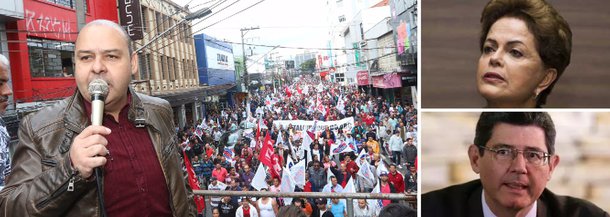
(294, 23)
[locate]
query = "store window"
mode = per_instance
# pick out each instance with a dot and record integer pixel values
(67, 3)
(50, 58)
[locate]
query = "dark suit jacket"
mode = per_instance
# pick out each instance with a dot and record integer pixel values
(464, 200)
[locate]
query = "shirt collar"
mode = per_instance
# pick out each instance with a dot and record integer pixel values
(87, 105)
(488, 213)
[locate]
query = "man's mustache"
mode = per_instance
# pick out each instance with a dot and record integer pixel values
(3, 98)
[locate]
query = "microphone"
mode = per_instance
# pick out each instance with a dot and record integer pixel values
(98, 89)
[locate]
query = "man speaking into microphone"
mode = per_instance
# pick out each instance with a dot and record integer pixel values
(135, 147)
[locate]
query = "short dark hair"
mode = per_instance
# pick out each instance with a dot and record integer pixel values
(488, 121)
(291, 211)
(397, 210)
(553, 37)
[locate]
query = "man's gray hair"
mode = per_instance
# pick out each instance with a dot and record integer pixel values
(4, 62)
(111, 24)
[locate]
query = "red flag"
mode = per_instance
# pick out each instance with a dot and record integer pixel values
(194, 183)
(288, 93)
(266, 154)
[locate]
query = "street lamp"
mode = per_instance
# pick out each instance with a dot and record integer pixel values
(192, 16)
(243, 50)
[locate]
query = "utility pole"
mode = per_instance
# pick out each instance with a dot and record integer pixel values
(243, 51)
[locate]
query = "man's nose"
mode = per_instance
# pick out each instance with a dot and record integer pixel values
(98, 65)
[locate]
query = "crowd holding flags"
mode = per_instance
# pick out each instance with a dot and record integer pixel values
(286, 153)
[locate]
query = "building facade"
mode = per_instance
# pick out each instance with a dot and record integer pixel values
(167, 67)
(41, 47)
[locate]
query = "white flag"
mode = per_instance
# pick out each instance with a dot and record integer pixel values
(350, 188)
(258, 182)
(375, 203)
(279, 138)
(287, 184)
(381, 168)
(298, 172)
(340, 147)
(289, 162)
(361, 157)
(307, 140)
(329, 174)
(366, 173)
(289, 116)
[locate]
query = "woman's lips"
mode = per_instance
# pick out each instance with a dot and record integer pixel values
(493, 77)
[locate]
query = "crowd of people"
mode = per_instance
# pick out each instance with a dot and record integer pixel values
(225, 146)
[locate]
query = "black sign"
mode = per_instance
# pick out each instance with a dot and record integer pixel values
(131, 18)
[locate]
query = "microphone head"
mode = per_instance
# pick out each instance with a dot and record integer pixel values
(98, 86)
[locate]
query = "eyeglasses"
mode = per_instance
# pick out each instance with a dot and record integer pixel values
(507, 155)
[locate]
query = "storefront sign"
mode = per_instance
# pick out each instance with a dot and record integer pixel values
(131, 18)
(363, 78)
(391, 80)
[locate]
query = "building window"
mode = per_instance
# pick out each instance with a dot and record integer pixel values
(144, 19)
(163, 68)
(176, 70)
(50, 58)
(67, 3)
(144, 66)
(159, 20)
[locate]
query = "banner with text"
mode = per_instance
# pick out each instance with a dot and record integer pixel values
(300, 125)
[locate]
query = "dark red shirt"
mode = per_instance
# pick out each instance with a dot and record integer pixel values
(134, 184)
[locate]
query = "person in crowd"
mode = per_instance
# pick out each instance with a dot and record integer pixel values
(337, 208)
(364, 210)
(317, 176)
(291, 211)
(396, 179)
(215, 185)
(385, 187)
(333, 186)
(247, 176)
(246, 209)
(216, 212)
(397, 209)
(411, 180)
(409, 152)
(5, 92)
(220, 173)
(206, 170)
(267, 207)
(227, 207)
(396, 145)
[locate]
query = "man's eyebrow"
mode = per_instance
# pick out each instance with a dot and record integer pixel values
(103, 51)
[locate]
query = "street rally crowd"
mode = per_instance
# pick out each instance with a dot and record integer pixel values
(312, 136)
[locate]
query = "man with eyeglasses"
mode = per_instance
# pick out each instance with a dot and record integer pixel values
(514, 155)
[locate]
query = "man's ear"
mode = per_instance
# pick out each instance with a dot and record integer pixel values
(473, 155)
(553, 162)
(134, 63)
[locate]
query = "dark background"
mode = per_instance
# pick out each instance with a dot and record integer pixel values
(450, 54)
